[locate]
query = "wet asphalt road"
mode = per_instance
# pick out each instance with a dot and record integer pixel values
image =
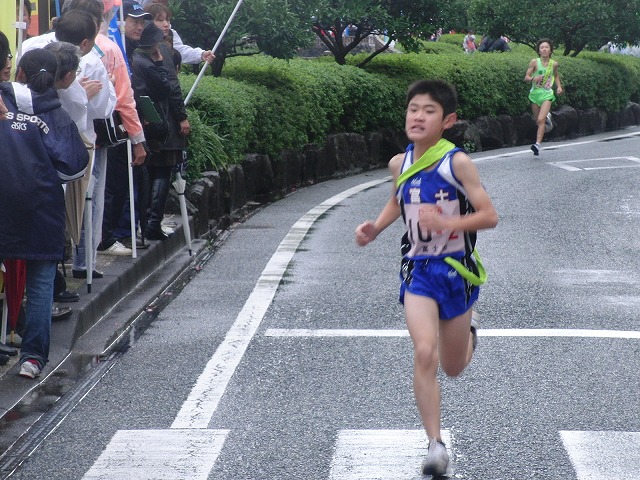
(564, 256)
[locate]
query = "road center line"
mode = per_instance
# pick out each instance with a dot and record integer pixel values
(487, 332)
(552, 146)
(203, 400)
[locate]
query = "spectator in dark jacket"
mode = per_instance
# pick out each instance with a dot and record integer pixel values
(151, 56)
(489, 44)
(41, 150)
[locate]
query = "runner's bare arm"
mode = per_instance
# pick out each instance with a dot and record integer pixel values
(368, 231)
(530, 70)
(556, 74)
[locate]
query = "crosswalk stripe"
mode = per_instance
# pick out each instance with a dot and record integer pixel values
(129, 450)
(159, 455)
(487, 332)
(606, 454)
(380, 454)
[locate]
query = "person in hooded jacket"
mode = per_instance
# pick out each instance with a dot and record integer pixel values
(42, 149)
(154, 75)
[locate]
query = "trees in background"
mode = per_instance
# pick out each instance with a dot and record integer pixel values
(260, 26)
(280, 28)
(401, 21)
(573, 24)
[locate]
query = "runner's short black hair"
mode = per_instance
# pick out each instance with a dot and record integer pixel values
(541, 41)
(439, 90)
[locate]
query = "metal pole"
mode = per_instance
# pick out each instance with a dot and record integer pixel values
(20, 24)
(179, 185)
(215, 47)
(132, 205)
(88, 231)
(118, 3)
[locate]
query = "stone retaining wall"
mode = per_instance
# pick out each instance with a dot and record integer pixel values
(221, 198)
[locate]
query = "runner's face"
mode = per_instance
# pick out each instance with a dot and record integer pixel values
(424, 120)
(544, 49)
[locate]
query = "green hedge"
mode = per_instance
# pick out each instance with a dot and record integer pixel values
(266, 105)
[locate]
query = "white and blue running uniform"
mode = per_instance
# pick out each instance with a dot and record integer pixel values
(424, 271)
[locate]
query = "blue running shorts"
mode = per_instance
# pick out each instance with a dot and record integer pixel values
(436, 279)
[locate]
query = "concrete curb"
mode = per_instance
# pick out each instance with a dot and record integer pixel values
(128, 287)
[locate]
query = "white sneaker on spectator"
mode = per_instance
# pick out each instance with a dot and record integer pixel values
(117, 249)
(29, 369)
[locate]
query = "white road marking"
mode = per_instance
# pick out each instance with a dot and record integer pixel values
(197, 410)
(303, 332)
(571, 165)
(156, 454)
(159, 455)
(483, 332)
(559, 332)
(608, 454)
(380, 454)
(591, 276)
(553, 146)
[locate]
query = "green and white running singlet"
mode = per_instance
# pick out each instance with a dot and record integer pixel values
(542, 91)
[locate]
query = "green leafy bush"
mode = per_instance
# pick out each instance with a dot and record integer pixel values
(454, 38)
(227, 106)
(207, 149)
(266, 105)
(309, 99)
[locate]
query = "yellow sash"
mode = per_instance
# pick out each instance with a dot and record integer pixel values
(431, 156)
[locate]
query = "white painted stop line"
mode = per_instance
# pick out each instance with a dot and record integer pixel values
(159, 455)
(586, 164)
(202, 402)
(600, 455)
(487, 332)
(189, 450)
(381, 454)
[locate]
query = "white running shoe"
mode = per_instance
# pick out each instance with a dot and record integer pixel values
(117, 249)
(29, 370)
(548, 123)
(437, 461)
